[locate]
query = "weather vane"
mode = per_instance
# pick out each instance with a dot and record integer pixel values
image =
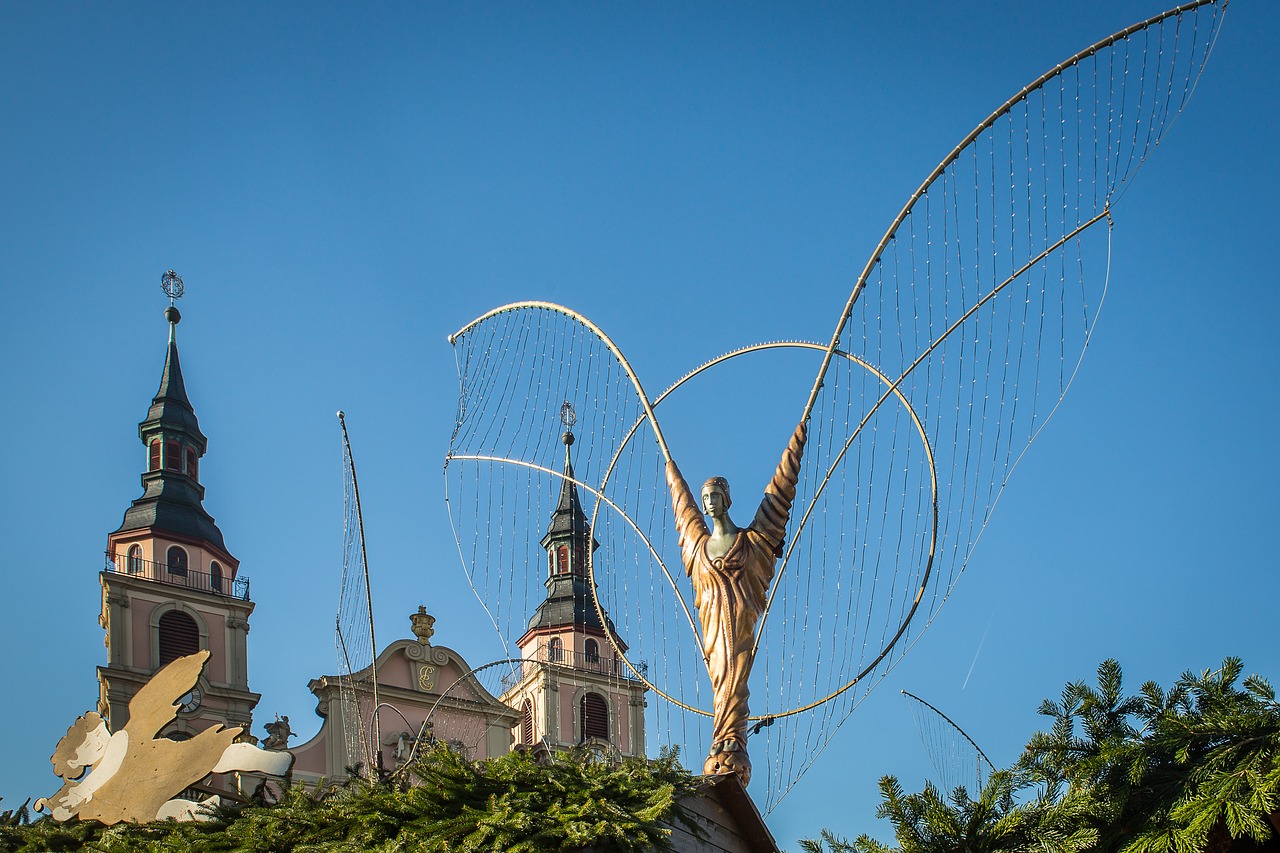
(568, 416)
(171, 284)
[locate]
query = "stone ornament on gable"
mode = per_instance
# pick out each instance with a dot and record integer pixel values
(423, 625)
(136, 777)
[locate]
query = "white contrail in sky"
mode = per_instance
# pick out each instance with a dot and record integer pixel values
(978, 652)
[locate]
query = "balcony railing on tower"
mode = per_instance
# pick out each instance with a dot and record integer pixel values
(600, 664)
(183, 576)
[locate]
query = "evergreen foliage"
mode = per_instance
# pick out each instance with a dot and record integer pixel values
(1195, 768)
(512, 803)
(15, 817)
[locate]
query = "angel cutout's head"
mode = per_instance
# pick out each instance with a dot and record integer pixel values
(715, 497)
(83, 745)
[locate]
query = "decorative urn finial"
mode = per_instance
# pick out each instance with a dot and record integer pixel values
(423, 625)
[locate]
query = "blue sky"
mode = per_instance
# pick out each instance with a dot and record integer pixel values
(342, 188)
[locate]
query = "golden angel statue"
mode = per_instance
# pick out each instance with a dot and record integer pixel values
(957, 343)
(731, 569)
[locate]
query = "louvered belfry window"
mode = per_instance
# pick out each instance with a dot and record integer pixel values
(179, 636)
(595, 716)
(526, 724)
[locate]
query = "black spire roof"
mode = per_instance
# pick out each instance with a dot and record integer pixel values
(170, 408)
(173, 499)
(568, 522)
(569, 599)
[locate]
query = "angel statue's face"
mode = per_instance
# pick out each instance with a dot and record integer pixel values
(714, 500)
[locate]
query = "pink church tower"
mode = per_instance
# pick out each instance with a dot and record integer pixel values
(572, 689)
(170, 587)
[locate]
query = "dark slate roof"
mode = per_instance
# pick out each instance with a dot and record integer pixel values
(568, 599)
(568, 602)
(170, 409)
(568, 519)
(172, 502)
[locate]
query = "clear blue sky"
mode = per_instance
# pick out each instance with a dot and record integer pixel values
(342, 187)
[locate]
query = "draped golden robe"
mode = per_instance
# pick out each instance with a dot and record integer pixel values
(730, 594)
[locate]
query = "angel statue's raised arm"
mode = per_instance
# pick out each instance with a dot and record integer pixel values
(731, 569)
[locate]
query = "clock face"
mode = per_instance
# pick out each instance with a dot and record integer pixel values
(190, 701)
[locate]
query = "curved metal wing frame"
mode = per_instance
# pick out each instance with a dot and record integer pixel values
(614, 640)
(894, 389)
(982, 755)
(370, 748)
(468, 678)
(891, 391)
(1004, 109)
(646, 407)
(595, 330)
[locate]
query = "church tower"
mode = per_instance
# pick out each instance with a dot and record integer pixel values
(573, 689)
(170, 587)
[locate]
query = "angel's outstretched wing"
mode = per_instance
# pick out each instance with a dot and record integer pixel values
(968, 323)
(155, 705)
(533, 374)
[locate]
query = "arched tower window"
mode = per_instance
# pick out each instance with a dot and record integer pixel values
(172, 456)
(591, 651)
(176, 561)
(153, 463)
(133, 564)
(562, 559)
(579, 561)
(595, 716)
(179, 636)
(191, 463)
(526, 724)
(555, 649)
(215, 576)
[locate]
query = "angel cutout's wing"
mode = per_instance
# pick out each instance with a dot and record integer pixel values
(156, 703)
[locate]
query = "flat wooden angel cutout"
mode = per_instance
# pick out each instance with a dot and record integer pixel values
(136, 775)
